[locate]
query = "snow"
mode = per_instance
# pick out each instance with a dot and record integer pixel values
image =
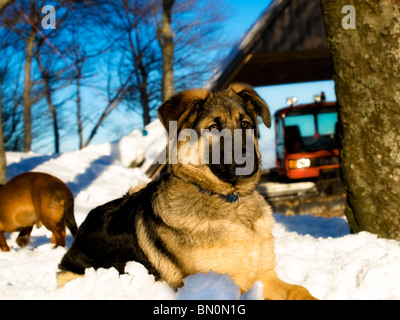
(275, 189)
(318, 253)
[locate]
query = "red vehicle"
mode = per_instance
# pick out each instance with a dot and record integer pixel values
(307, 141)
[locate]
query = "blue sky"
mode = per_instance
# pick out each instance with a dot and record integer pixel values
(244, 14)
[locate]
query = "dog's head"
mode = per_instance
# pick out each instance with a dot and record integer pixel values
(213, 137)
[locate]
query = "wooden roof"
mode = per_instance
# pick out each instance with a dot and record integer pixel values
(286, 44)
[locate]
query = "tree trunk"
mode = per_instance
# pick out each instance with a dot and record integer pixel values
(26, 96)
(142, 82)
(78, 109)
(49, 100)
(367, 64)
(3, 160)
(145, 100)
(141, 74)
(167, 48)
(53, 114)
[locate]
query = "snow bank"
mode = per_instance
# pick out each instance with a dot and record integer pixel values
(350, 267)
(318, 253)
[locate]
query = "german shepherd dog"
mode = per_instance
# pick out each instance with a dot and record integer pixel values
(36, 198)
(198, 215)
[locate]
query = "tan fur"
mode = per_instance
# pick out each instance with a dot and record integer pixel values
(199, 230)
(33, 199)
(214, 234)
(66, 276)
(137, 188)
(180, 107)
(237, 240)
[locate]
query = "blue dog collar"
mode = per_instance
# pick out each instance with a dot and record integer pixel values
(232, 197)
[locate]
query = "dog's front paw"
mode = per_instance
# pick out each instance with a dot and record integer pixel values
(300, 293)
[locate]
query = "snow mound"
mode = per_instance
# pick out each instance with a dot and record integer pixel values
(318, 253)
(216, 286)
(109, 284)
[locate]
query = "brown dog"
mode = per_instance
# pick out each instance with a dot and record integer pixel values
(36, 198)
(204, 213)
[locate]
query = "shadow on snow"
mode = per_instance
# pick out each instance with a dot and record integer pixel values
(318, 227)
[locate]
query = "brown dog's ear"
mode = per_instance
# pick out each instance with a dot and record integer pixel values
(181, 107)
(249, 94)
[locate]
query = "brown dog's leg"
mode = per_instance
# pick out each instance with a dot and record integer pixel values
(3, 242)
(51, 215)
(276, 289)
(23, 237)
(58, 236)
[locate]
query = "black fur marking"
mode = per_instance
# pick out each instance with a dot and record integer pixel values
(253, 119)
(151, 223)
(107, 238)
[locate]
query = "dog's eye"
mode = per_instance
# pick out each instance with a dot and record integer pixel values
(213, 127)
(245, 124)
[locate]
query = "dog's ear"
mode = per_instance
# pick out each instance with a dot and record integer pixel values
(254, 100)
(182, 107)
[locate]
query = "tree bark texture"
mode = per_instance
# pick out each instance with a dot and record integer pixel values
(48, 93)
(26, 96)
(53, 114)
(167, 48)
(3, 159)
(366, 73)
(79, 109)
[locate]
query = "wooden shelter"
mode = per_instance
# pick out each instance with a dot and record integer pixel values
(287, 44)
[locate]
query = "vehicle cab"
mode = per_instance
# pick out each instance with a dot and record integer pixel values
(307, 141)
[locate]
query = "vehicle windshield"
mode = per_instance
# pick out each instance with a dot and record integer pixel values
(311, 132)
